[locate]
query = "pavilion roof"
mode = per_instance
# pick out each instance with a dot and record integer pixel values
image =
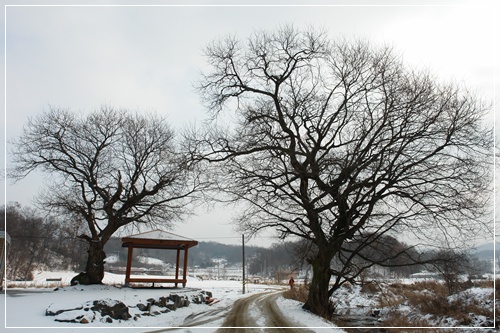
(158, 239)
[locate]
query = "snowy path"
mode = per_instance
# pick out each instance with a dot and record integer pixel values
(258, 311)
(255, 313)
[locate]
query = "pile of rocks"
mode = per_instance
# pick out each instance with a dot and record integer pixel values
(108, 310)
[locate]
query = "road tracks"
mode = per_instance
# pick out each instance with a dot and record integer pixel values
(259, 313)
(256, 313)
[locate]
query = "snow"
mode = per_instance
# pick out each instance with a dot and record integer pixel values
(293, 309)
(25, 308)
(151, 261)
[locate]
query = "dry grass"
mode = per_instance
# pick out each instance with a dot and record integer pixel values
(400, 323)
(370, 288)
(429, 302)
(298, 293)
(430, 298)
(485, 284)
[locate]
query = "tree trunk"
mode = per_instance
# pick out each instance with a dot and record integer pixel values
(94, 271)
(318, 300)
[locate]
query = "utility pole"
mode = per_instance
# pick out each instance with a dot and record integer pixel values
(243, 261)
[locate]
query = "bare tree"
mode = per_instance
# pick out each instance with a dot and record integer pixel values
(111, 167)
(450, 264)
(336, 142)
(31, 235)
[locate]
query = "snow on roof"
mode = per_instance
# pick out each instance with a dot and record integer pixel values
(159, 235)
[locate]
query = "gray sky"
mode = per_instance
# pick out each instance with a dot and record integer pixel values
(148, 58)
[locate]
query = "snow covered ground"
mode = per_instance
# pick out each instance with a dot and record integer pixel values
(25, 308)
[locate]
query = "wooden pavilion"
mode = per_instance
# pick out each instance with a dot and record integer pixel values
(158, 239)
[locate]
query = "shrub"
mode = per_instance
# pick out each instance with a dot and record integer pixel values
(298, 293)
(430, 300)
(396, 320)
(370, 288)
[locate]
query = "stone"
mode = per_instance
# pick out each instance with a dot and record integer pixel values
(114, 309)
(186, 301)
(175, 298)
(198, 299)
(162, 302)
(142, 307)
(52, 311)
(179, 301)
(75, 316)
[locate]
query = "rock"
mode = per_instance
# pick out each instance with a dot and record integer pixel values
(195, 299)
(179, 301)
(143, 307)
(53, 311)
(174, 298)
(162, 302)
(186, 301)
(114, 309)
(198, 299)
(75, 316)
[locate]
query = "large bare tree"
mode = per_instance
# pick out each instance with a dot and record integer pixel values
(112, 168)
(339, 143)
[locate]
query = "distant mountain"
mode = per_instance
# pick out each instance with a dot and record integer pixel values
(488, 247)
(486, 251)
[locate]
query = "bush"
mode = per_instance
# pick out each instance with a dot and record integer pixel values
(370, 288)
(298, 293)
(430, 300)
(395, 319)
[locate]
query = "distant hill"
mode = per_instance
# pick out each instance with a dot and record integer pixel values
(486, 251)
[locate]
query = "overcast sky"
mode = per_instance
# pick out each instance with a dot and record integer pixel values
(148, 58)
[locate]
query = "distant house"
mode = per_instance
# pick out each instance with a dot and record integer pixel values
(4, 249)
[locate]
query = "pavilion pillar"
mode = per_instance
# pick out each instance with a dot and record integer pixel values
(129, 264)
(177, 263)
(184, 271)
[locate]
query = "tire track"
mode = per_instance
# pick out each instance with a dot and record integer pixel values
(263, 305)
(253, 314)
(239, 319)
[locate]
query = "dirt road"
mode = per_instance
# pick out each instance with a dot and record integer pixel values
(253, 314)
